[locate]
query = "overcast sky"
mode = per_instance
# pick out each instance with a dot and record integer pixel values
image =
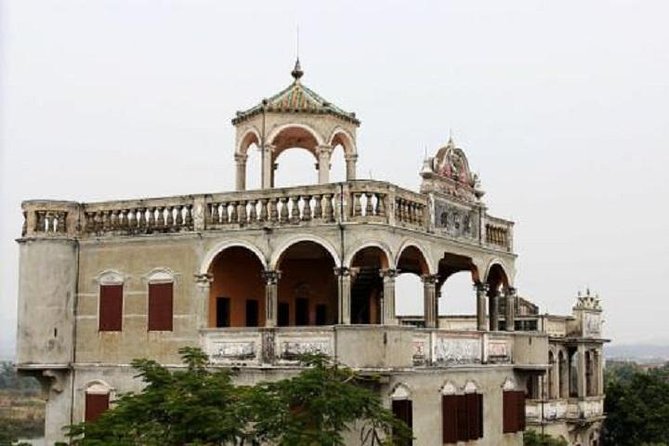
(562, 108)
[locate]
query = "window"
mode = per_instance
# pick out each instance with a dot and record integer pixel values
(160, 306)
(97, 401)
(96, 404)
(111, 308)
(301, 311)
(222, 311)
(283, 316)
(403, 411)
(462, 417)
(251, 313)
(514, 411)
(321, 314)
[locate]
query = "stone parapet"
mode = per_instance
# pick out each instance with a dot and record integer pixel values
(351, 202)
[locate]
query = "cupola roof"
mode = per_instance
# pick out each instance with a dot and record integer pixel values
(296, 98)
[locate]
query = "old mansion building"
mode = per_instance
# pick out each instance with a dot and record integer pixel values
(257, 277)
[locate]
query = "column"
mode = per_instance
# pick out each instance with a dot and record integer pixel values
(202, 284)
(481, 313)
(430, 299)
(493, 309)
(511, 309)
(350, 166)
(324, 152)
(565, 384)
(600, 372)
(271, 296)
(267, 165)
(389, 276)
(344, 281)
(580, 370)
(240, 160)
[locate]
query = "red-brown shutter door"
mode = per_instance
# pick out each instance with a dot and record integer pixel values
(472, 415)
(96, 404)
(463, 418)
(111, 308)
(508, 411)
(520, 404)
(449, 418)
(479, 397)
(160, 307)
(403, 410)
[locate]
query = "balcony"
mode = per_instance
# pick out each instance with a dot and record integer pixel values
(360, 201)
(564, 409)
(359, 346)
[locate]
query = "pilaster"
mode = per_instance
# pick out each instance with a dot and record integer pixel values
(389, 276)
(430, 299)
(271, 296)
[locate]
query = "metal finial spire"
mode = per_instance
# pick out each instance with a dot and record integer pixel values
(297, 72)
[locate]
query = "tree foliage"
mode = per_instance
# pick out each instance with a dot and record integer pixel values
(532, 438)
(200, 406)
(637, 406)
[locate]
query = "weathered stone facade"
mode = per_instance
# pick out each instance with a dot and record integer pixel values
(256, 278)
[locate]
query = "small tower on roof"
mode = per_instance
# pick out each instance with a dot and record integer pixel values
(296, 117)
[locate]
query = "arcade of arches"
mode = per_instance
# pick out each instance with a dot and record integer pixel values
(289, 138)
(308, 288)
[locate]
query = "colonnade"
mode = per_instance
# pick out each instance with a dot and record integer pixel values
(323, 154)
(346, 276)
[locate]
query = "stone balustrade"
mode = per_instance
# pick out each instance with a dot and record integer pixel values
(498, 233)
(359, 201)
(407, 346)
(564, 409)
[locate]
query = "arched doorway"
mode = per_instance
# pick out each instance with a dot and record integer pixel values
(410, 297)
(367, 285)
(237, 293)
(457, 277)
(307, 288)
(297, 166)
(498, 284)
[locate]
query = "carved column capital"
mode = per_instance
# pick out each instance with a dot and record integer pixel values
(389, 273)
(351, 157)
(323, 149)
(481, 287)
(346, 272)
(203, 280)
(240, 158)
(430, 279)
(271, 277)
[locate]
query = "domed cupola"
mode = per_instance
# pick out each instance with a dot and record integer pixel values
(296, 117)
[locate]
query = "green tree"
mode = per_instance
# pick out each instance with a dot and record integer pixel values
(200, 406)
(637, 408)
(532, 438)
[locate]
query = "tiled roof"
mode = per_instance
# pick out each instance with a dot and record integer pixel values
(296, 98)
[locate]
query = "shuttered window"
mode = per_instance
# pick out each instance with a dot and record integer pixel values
(462, 417)
(514, 411)
(160, 307)
(111, 308)
(96, 404)
(403, 410)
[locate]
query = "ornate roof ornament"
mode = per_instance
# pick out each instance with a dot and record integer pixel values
(296, 98)
(297, 72)
(448, 172)
(587, 301)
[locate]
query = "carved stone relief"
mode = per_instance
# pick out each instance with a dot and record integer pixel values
(448, 351)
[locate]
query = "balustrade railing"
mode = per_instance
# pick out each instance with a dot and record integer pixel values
(499, 233)
(360, 201)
